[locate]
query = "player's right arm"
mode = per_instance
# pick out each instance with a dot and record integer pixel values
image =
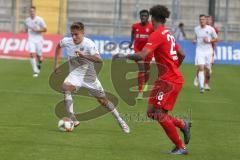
(180, 54)
(132, 38)
(25, 28)
(195, 39)
(57, 55)
(195, 36)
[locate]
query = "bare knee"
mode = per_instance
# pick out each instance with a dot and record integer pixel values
(68, 87)
(102, 101)
(200, 67)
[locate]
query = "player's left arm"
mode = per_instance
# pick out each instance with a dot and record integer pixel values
(214, 37)
(136, 57)
(41, 30)
(153, 43)
(43, 27)
(180, 54)
(96, 58)
(92, 53)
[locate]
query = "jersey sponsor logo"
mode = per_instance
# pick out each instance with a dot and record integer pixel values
(142, 35)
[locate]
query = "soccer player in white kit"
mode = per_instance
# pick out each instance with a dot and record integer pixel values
(82, 54)
(35, 26)
(205, 35)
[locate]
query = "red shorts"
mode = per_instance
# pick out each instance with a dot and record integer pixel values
(164, 94)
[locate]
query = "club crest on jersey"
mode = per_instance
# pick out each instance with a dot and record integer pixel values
(147, 29)
(137, 30)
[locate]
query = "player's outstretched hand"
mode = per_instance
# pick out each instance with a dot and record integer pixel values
(119, 56)
(130, 46)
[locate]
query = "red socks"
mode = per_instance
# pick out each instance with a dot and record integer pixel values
(168, 124)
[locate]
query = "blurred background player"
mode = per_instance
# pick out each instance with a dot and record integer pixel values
(35, 26)
(210, 22)
(139, 35)
(82, 54)
(168, 56)
(205, 35)
(179, 32)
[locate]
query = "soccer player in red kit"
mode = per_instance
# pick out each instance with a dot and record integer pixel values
(168, 56)
(140, 33)
(210, 22)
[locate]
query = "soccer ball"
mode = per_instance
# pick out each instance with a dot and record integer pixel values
(66, 125)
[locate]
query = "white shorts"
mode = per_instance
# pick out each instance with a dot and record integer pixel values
(94, 87)
(35, 47)
(204, 59)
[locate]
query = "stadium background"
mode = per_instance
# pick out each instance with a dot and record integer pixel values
(111, 20)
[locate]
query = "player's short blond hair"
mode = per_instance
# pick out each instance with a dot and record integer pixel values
(33, 7)
(77, 26)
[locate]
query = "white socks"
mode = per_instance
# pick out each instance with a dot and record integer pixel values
(201, 78)
(68, 102)
(116, 115)
(114, 111)
(34, 65)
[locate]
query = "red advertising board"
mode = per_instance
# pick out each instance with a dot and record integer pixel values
(15, 45)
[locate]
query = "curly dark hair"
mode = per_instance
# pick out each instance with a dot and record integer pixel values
(144, 11)
(159, 13)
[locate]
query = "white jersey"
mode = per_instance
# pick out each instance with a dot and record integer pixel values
(37, 23)
(80, 66)
(200, 34)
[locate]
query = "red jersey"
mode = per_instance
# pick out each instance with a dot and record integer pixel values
(141, 34)
(215, 44)
(216, 29)
(163, 44)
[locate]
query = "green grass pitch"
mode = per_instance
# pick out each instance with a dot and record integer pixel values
(28, 125)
